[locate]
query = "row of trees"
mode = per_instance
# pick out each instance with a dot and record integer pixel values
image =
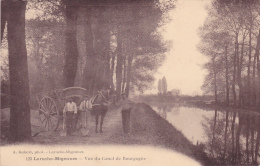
(92, 44)
(230, 38)
(162, 88)
(111, 44)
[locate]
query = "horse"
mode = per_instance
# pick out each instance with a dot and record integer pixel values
(100, 104)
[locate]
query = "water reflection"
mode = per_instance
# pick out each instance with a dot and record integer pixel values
(233, 138)
(163, 109)
(228, 137)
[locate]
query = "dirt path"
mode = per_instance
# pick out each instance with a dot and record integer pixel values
(147, 128)
(142, 131)
(112, 128)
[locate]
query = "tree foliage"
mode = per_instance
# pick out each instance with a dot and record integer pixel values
(115, 35)
(229, 39)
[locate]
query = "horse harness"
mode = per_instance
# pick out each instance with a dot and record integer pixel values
(94, 97)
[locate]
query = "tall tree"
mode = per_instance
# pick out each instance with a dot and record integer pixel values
(119, 64)
(257, 54)
(160, 86)
(71, 54)
(20, 126)
(91, 60)
(164, 85)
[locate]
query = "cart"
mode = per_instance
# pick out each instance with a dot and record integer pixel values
(51, 104)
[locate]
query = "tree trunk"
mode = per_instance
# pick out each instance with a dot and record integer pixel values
(128, 79)
(226, 75)
(111, 77)
(91, 61)
(119, 64)
(225, 136)
(124, 74)
(100, 46)
(254, 82)
(106, 70)
(71, 57)
(214, 130)
(238, 152)
(81, 43)
(20, 126)
(136, 8)
(249, 68)
(215, 80)
(4, 16)
(258, 66)
(233, 137)
(257, 140)
(105, 40)
(234, 71)
(247, 137)
(252, 128)
(239, 68)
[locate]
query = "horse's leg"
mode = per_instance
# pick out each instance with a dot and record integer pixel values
(96, 123)
(102, 119)
(101, 122)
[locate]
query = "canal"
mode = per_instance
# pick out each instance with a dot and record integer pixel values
(228, 137)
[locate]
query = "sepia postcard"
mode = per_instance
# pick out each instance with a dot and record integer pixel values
(130, 82)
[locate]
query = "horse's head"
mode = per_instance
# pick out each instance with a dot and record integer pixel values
(102, 97)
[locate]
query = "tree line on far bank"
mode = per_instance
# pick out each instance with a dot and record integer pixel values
(163, 89)
(92, 44)
(162, 86)
(230, 38)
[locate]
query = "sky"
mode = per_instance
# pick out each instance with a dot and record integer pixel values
(183, 65)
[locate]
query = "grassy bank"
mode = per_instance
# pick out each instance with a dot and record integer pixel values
(147, 123)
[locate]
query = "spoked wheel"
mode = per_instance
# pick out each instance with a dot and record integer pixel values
(49, 114)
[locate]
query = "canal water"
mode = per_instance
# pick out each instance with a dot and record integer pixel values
(228, 137)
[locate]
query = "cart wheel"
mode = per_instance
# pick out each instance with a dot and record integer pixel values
(49, 114)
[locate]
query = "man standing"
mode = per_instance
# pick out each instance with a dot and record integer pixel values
(126, 106)
(69, 111)
(84, 108)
